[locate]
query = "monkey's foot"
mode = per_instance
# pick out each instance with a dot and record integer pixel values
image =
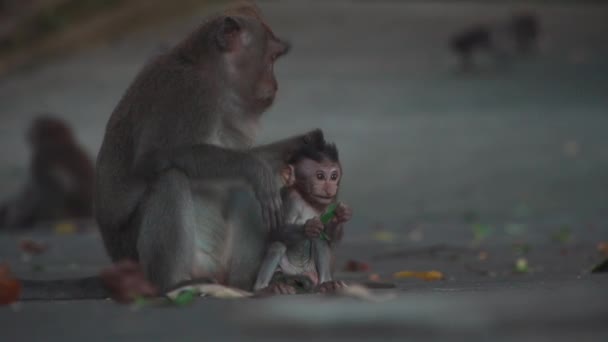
(331, 286)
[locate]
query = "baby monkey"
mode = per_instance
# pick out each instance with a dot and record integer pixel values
(302, 248)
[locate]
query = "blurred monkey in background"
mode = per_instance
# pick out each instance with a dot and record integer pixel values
(60, 178)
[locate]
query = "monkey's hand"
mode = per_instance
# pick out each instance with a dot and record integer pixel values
(343, 213)
(313, 228)
(331, 286)
(267, 191)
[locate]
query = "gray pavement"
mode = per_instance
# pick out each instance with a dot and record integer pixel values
(423, 147)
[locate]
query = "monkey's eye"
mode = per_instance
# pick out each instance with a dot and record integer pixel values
(334, 176)
(320, 176)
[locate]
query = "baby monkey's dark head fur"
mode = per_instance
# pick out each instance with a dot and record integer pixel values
(315, 173)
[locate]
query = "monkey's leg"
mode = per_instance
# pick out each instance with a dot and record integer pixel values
(322, 257)
(275, 253)
(165, 244)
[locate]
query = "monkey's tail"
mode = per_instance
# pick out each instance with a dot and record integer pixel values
(63, 289)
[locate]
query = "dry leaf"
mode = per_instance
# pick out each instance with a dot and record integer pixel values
(425, 275)
(5, 271)
(10, 288)
(32, 247)
(384, 236)
(356, 266)
(65, 228)
(374, 277)
(362, 293)
(602, 248)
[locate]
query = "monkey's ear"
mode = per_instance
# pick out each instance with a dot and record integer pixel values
(288, 175)
(228, 33)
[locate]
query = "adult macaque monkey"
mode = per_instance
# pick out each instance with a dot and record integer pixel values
(60, 184)
(179, 186)
(312, 180)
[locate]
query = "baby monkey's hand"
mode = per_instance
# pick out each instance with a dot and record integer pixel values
(313, 228)
(343, 213)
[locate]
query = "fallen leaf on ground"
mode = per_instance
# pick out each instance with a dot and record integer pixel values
(602, 248)
(65, 228)
(521, 265)
(374, 277)
(5, 271)
(481, 232)
(563, 234)
(10, 288)
(482, 256)
(362, 293)
(384, 236)
(126, 282)
(356, 266)
(185, 297)
(32, 247)
(571, 148)
(424, 275)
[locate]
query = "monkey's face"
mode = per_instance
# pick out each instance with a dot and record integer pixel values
(251, 49)
(318, 182)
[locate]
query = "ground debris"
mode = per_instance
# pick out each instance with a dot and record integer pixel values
(33, 247)
(10, 288)
(356, 266)
(363, 293)
(602, 248)
(424, 275)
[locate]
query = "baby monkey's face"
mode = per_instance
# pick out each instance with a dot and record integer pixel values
(317, 182)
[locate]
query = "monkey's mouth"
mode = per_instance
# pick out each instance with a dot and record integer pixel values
(325, 198)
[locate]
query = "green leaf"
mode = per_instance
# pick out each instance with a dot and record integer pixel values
(563, 235)
(481, 232)
(185, 297)
(329, 213)
(521, 266)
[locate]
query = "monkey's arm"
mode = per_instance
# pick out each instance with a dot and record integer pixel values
(279, 152)
(290, 233)
(211, 162)
(202, 161)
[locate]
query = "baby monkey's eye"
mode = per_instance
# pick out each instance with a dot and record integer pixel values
(334, 176)
(320, 176)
